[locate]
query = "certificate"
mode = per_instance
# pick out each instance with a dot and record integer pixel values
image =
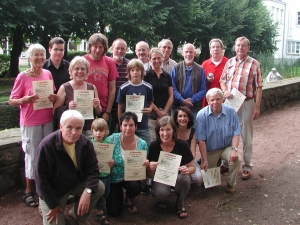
(84, 101)
(237, 100)
(133, 165)
(43, 88)
(135, 103)
(104, 154)
(212, 177)
(167, 168)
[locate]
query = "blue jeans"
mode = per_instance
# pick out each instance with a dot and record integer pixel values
(144, 134)
(101, 203)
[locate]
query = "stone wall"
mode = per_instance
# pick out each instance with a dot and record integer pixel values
(275, 95)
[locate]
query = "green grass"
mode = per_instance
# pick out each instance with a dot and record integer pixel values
(4, 97)
(23, 68)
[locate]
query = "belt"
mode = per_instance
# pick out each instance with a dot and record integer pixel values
(246, 99)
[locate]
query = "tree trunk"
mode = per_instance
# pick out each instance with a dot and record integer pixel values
(204, 54)
(16, 51)
(66, 39)
(174, 51)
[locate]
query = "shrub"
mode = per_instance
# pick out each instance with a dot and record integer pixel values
(4, 65)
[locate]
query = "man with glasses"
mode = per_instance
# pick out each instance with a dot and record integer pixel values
(214, 66)
(58, 67)
(244, 73)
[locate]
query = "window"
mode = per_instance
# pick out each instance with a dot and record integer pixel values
(281, 16)
(298, 19)
(293, 47)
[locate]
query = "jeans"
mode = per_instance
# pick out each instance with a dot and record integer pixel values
(101, 203)
(144, 134)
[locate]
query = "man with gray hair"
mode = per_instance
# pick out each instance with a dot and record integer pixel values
(142, 51)
(244, 73)
(66, 165)
(188, 81)
(166, 46)
(218, 132)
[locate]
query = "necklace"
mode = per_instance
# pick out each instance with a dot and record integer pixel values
(33, 73)
(168, 147)
(127, 146)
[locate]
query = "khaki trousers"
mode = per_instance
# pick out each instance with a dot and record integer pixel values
(224, 154)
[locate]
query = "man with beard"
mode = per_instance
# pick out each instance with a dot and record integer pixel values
(119, 49)
(188, 81)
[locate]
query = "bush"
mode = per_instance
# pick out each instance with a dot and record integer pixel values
(4, 65)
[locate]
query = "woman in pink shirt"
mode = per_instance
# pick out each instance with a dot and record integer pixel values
(35, 124)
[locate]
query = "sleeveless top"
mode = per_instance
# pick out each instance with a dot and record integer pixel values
(191, 136)
(70, 97)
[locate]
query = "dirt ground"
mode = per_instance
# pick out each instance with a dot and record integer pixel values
(271, 196)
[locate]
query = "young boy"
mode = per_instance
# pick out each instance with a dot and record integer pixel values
(136, 86)
(100, 131)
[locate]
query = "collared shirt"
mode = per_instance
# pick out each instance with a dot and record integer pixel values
(160, 87)
(217, 131)
(120, 80)
(60, 75)
(168, 65)
(244, 75)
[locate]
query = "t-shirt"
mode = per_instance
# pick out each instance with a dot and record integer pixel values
(21, 88)
(180, 148)
(160, 87)
(117, 171)
(102, 72)
(143, 88)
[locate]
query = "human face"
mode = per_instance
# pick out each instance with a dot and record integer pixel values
(182, 119)
(135, 75)
(215, 103)
(241, 48)
(96, 50)
(38, 58)
(142, 52)
(79, 72)
(119, 50)
(128, 128)
(166, 133)
(98, 135)
(166, 49)
(216, 49)
(57, 52)
(71, 130)
(188, 54)
(156, 60)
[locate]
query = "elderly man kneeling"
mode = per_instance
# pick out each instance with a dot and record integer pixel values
(218, 132)
(66, 165)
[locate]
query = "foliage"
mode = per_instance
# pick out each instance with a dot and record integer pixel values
(4, 65)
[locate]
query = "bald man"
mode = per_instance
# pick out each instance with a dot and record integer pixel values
(188, 81)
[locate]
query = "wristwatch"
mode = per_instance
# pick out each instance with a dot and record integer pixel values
(87, 190)
(235, 148)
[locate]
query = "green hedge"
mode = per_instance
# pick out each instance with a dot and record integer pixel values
(4, 65)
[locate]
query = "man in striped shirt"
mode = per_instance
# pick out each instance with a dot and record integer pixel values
(119, 49)
(244, 73)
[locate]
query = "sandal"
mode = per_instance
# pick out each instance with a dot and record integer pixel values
(130, 207)
(246, 175)
(102, 218)
(29, 200)
(182, 211)
(161, 205)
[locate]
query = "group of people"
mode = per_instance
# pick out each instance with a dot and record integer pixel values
(184, 99)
